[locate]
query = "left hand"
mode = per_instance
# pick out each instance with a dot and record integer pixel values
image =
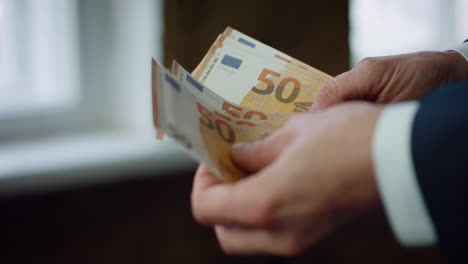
(309, 178)
(394, 78)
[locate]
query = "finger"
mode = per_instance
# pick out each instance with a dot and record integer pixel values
(244, 241)
(204, 177)
(254, 156)
(203, 180)
(238, 203)
(250, 241)
(344, 87)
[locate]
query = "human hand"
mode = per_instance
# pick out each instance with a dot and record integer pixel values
(310, 178)
(393, 78)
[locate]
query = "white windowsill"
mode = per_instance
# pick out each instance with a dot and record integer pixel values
(85, 159)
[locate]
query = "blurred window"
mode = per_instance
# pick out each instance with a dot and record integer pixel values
(39, 68)
(73, 66)
(381, 27)
(75, 92)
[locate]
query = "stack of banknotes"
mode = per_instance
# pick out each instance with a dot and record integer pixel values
(242, 91)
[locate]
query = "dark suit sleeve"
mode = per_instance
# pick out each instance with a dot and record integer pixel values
(439, 143)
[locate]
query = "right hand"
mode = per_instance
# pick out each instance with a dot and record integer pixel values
(309, 180)
(392, 79)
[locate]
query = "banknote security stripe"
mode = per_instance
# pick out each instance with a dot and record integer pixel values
(231, 61)
(194, 83)
(246, 42)
(172, 82)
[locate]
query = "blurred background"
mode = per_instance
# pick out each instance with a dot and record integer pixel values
(82, 179)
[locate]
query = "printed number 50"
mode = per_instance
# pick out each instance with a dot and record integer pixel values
(279, 91)
(222, 127)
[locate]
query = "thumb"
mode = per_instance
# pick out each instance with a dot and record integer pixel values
(254, 156)
(344, 87)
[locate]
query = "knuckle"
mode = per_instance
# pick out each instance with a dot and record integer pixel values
(329, 90)
(263, 214)
(368, 62)
(331, 93)
(373, 64)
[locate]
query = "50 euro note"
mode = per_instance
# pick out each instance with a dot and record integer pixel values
(250, 73)
(253, 90)
(205, 123)
(221, 104)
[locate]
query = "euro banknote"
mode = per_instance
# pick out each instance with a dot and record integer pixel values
(242, 90)
(250, 73)
(205, 124)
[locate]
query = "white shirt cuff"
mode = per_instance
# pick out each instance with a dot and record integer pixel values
(463, 49)
(396, 177)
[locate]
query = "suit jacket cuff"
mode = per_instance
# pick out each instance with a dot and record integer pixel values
(396, 178)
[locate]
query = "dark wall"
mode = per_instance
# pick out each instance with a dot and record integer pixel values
(315, 32)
